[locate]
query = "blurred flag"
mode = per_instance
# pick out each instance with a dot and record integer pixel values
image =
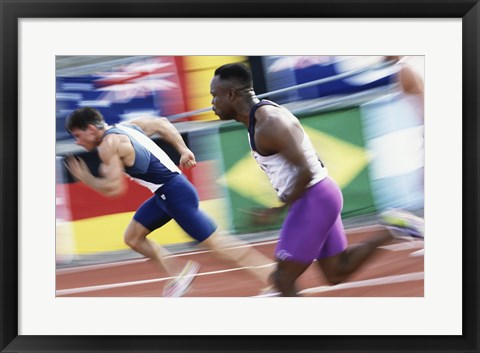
(148, 86)
(287, 71)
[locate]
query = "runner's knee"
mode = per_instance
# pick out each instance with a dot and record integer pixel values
(284, 278)
(132, 241)
(333, 268)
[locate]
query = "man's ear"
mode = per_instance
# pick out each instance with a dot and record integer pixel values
(92, 128)
(95, 127)
(232, 93)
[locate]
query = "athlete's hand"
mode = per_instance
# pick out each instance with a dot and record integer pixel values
(187, 159)
(78, 168)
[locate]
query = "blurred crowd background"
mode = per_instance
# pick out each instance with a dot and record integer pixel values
(364, 115)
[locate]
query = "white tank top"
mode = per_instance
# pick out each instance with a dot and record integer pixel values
(152, 166)
(282, 173)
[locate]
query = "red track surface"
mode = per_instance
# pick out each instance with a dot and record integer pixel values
(392, 272)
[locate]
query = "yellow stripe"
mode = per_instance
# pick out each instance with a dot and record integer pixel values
(199, 72)
(103, 234)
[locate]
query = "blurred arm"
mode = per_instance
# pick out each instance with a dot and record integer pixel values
(277, 134)
(112, 183)
(411, 82)
(164, 128)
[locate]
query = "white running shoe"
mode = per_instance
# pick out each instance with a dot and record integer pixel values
(180, 285)
(266, 292)
(269, 291)
(403, 224)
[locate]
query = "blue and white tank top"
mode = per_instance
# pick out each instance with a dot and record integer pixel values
(152, 166)
(282, 173)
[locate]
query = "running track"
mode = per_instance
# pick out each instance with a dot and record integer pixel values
(396, 270)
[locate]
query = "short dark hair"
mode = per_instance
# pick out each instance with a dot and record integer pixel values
(82, 117)
(235, 72)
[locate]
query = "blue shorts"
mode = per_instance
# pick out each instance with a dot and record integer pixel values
(313, 228)
(177, 199)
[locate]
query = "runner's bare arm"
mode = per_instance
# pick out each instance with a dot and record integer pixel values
(112, 183)
(274, 134)
(163, 127)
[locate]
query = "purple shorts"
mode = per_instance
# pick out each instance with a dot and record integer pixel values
(313, 228)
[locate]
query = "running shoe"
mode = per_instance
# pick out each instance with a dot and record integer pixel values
(181, 284)
(403, 224)
(266, 292)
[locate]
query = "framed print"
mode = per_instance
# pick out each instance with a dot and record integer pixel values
(38, 314)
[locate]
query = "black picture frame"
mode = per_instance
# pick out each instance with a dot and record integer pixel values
(12, 11)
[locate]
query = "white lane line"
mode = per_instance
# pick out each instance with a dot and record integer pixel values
(61, 292)
(70, 270)
(64, 271)
(350, 232)
(417, 253)
(408, 245)
(416, 276)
